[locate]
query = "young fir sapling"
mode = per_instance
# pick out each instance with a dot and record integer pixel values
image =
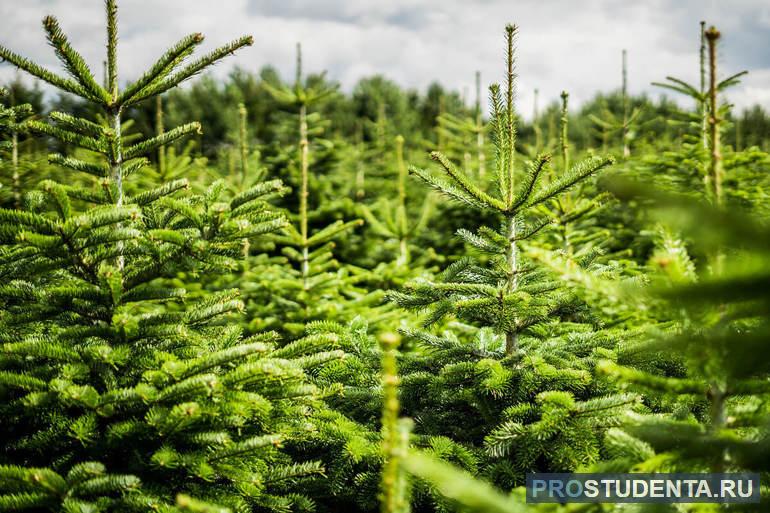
(403, 463)
(528, 372)
(313, 286)
(504, 293)
(693, 161)
(574, 212)
(461, 133)
(114, 393)
(12, 119)
(172, 163)
(701, 93)
(393, 222)
(718, 419)
(300, 98)
(627, 122)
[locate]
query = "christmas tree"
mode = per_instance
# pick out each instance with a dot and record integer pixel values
(116, 393)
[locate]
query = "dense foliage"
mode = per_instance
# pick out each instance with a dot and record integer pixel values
(262, 311)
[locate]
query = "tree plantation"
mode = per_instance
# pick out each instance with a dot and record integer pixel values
(253, 294)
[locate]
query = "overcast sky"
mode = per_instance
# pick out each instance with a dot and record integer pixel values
(563, 44)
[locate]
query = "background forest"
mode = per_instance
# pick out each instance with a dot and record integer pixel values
(264, 294)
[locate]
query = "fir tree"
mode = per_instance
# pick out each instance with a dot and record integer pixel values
(503, 294)
(626, 123)
(115, 394)
(527, 373)
(312, 286)
(695, 149)
(577, 325)
(394, 221)
(718, 418)
(447, 485)
(712, 414)
(575, 213)
(459, 134)
(11, 123)
(701, 94)
(173, 161)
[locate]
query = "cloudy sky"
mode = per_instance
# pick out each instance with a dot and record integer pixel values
(563, 44)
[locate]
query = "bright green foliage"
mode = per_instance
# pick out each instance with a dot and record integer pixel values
(372, 160)
(461, 488)
(195, 321)
(284, 294)
(575, 213)
(395, 435)
(11, 123)
(523, 386)
(547, 410)
(300, 128)
(172, 163)
(445, 480)
(609, 124)
(167, 72)
(714, 413)
(461, 133)
(394, 221)
(503, 293)
(115, 393)
(627, 123)
(690, 163)
(699, 93)
(699, 367)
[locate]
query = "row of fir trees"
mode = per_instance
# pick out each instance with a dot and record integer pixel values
(265, 310)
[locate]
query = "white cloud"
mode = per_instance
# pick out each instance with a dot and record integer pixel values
(562, 45)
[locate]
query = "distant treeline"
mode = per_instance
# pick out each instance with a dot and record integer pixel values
(379, 102)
